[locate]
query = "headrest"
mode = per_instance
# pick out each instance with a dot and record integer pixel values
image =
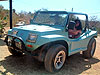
(71, 25)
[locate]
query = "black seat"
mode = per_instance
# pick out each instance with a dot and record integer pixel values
(71, 27)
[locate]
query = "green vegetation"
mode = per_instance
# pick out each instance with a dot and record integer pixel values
(23, 16)
(4, 16)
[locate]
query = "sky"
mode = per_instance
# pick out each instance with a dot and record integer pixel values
(90, 7)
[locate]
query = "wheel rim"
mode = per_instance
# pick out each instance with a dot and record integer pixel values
(93, 46)
(59, 59)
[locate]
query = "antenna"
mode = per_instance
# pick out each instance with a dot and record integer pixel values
(72, 9)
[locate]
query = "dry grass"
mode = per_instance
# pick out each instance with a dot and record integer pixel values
(26, 65)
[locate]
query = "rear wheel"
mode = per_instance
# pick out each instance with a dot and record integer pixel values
(14, 52)
(90, 49)
(55, 58)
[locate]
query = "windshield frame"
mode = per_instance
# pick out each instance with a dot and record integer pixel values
(50, 12)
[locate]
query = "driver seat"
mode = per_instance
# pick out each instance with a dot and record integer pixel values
(71, 27)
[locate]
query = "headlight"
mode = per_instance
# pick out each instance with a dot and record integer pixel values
(32, 37)
(14, 32)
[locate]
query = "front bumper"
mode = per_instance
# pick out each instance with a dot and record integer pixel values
(18, 44)
(11, 40)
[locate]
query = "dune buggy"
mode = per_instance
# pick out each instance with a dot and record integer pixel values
(47, 38)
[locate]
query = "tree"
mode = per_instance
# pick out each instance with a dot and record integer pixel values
(94, 23)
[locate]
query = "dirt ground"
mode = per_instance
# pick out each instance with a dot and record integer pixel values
(26, 65)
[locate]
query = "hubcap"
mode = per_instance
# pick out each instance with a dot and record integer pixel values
(59, 59)
(93, 46)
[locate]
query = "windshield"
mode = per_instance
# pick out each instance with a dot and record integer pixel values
(50, 18)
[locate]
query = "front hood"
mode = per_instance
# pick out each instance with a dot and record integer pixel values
(38, 28)
(43, 31)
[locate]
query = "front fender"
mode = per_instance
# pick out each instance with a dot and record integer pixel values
(41, 40)
(54, 37)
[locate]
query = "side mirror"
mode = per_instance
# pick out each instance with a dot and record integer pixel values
(66, 29)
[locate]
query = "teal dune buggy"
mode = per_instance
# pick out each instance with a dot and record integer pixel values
(48, 38)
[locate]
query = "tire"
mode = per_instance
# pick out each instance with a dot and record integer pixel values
(14, 52)
(90, 49)
(55, 58)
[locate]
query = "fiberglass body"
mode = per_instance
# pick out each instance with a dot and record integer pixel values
(46, 33)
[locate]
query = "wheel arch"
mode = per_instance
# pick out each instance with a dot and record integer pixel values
(93, 37)
(87, 53)
(44, 48)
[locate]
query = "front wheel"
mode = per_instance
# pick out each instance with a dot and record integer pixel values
(55, 58)
(90, 49)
